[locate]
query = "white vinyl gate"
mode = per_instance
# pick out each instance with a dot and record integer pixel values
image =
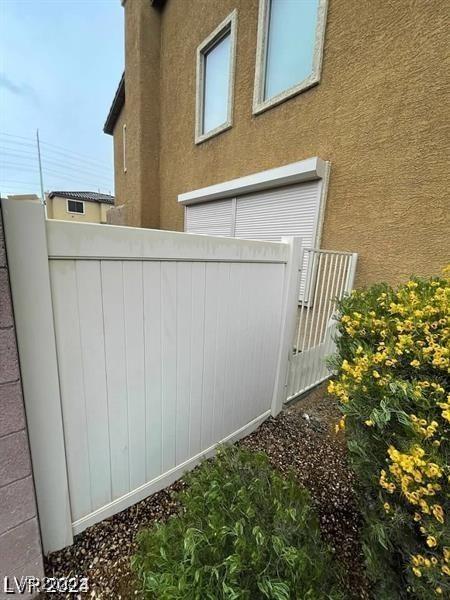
(329, 276)
(140, 351)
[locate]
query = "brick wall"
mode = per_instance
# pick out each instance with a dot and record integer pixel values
(20, 546)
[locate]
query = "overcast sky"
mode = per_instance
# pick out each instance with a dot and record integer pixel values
(60, 63)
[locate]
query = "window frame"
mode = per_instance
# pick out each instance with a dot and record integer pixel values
(72, 212)
(259, 103)
(229, 24)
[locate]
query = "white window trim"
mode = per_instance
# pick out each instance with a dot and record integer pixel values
(73, 212)
(303, 170)
(230, 23)
(124, 147)
(259, 104)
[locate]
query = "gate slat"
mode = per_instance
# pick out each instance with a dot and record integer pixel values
(153, 367)
(116, 379)
(135, 369)
(169, 363)
(68, 342)
(94, 369)
(197, 356)
(329, 277)
(184, 324)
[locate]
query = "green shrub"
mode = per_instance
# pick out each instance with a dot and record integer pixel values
(393, 383)
(244, 532)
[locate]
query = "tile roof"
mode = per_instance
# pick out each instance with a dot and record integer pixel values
(87, 196)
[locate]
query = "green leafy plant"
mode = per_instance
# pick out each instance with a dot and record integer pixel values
(392, 379)
(244, 532)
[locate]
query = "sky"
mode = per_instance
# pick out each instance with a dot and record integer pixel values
(60, 64)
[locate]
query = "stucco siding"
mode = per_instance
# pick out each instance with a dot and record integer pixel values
(142, 53)
(378, 115)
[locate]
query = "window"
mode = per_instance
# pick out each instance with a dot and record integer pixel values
(215, 78)
(74, 206)
(289, 49)
(124, 147)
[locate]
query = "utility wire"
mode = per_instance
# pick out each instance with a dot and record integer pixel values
(54, 170)
(74, 167)
(52, 175)
(62, 150)
(60, 165)
(21, 183)
(32, 152)
(59, 149)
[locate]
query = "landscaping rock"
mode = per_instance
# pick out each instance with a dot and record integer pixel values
(307, 446)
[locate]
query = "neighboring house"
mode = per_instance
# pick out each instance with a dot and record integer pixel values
(88, 207)
(263, 118)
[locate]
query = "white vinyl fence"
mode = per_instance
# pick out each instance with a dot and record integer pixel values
(140, 350)
(329, 277)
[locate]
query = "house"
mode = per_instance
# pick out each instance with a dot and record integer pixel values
(87, 207)
(265, 118)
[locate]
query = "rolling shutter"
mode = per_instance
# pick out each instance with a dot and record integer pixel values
(267, 215)
(272, 214)
(212, 218)
(288, 211)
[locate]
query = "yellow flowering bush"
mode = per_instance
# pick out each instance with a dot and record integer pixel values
(393, 383)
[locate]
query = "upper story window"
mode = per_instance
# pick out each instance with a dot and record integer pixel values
(215, 80)
(75, 206)
(289, 49)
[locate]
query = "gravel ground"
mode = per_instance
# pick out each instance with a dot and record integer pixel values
(301, 438)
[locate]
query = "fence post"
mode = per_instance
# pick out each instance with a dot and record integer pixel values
(291, 288)
(351, 273)
(26, 246)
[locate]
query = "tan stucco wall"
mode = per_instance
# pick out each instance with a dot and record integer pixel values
(142, 46)
(379, 115)
(57, 209)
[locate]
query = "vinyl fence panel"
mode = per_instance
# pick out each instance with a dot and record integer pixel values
(165, 344)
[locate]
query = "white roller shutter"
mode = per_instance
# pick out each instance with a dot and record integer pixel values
(272, 214)
(267, 215)
(288, 211)
(212, 218)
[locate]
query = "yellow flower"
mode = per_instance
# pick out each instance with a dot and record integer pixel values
(369, 423)
(415, 363)
(417, 572)
(431, 541)
(376, 374)
(438, 512)
(438, 590)
(446, 570)
(387, 506)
